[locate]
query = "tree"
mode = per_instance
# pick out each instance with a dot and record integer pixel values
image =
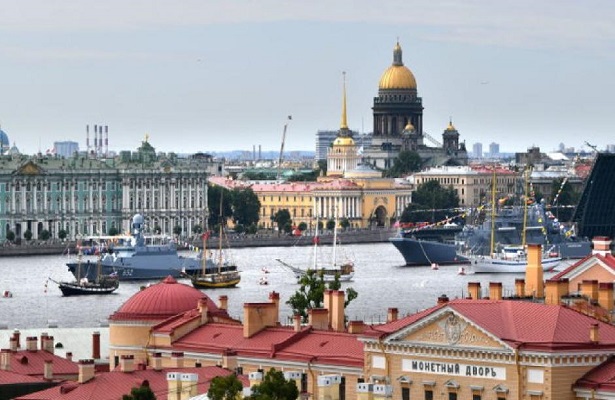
(330, 224)
(344, 223)
(196, 229)
(214, 194)
(177, 230)
(405, 163)
(27, 234)
(246, 207)
(282, 218)
(62, 234)
(224, 388)
(432, 197)
(113, 231)
(302, 226)
(44, 235)
(143, 392)
(275, 387)
(10, 236)
(311, 293)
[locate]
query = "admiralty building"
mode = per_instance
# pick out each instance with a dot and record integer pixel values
(91, 194)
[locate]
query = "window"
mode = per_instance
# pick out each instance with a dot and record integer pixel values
(452, 396)
(405, 393)
(476, 397)
(428, 394)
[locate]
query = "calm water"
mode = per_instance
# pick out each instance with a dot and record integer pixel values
(380, 279)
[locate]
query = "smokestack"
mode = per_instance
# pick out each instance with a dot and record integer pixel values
(106, 140)
(87, 138)
(96, 345)
(259, 152)
(95, 138)
(253, 153)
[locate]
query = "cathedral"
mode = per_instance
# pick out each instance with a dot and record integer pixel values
(398, 123)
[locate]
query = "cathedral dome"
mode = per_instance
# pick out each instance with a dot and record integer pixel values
(161, 301)
(397, 76)
(343, 141)
(4, 140)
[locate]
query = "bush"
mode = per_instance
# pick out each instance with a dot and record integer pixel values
(62, 234)
(113, 231)
(302, 226)
(45, 235)
(10, 236)
(27, 235)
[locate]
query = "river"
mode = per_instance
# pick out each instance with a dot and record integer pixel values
(380, 279)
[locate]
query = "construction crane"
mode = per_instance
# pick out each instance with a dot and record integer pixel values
(290, 117)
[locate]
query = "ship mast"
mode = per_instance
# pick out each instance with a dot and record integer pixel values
(221, 230)
(492, 212)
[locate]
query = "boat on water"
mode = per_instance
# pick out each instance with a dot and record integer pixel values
(135, 257)
(103, 284)
(219, 274)
(428, 245)
(512, 259)
(343, 271)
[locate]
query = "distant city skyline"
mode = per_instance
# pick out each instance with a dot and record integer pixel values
(216, 77)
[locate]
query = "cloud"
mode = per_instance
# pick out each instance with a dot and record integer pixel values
(550, 23)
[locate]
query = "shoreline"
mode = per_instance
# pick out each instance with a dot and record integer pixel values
(379, 235)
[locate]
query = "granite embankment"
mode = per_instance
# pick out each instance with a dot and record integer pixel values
(235, 241)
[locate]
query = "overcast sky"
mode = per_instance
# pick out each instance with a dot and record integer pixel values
(223, 75)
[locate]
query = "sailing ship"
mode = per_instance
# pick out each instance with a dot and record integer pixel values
(219, 274)
(103, 284)
(510, 259)
(344, 271)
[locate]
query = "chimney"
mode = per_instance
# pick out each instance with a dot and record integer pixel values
(392, 314)
(520, 287)
(594, 334)
(69, 356)
(17, 336)
(127, 363)
(177, 359)
(605, 297)
(553, 291)
(13, 343)
(474, 290)
(495, 290)
(203, 310)
(86, 370)
(297, 323)
(229, 359)
(258, 316)
(274, 297)
(223, 302)
(96, 345)
(327, 303)
(174, 386)
(602, 245)
(356, 327)
(589, 289)
(31, 343)
(338, 320)
(49, 344)
(5, 359)
(43, 340)
(318, 318)
(48, 370)
(442, 299)
(157, 361)
(534, 281)
(188, 386)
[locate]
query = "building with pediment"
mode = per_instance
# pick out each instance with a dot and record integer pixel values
(88, 195)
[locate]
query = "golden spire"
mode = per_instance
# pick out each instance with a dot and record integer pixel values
(344, 124)
(146, 137)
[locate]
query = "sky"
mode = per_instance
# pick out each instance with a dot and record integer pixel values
(211, 76)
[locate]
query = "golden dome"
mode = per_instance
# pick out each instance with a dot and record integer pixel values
(450, 126)
(397, 76)
(409, 127)
(343, 141)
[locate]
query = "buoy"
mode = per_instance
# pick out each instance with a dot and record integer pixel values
(434, 266)
(7, 294)
(461, 271)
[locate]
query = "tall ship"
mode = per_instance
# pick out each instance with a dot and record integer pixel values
(133, 258)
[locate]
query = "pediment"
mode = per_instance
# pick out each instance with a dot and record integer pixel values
(29, 168)
(447, 328)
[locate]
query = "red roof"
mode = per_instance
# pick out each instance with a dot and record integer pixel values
(328, 347)
(161, 301)
(32, 363)
(600, 378)
(12, 378)
(522, 324)
(115, 384)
